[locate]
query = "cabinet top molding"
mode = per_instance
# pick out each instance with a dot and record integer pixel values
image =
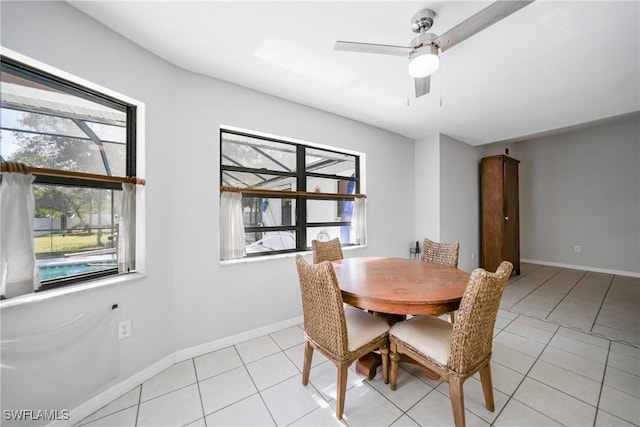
(502, 156)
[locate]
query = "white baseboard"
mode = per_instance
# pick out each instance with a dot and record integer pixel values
(201, 349)
(583, 267)
(90, 406)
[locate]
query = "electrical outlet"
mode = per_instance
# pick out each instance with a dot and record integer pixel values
(577, 248)
(124, 329)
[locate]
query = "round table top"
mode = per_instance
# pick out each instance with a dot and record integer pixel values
(400, 285)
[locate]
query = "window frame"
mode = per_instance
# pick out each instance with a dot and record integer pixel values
(38, 72)
(301, 194)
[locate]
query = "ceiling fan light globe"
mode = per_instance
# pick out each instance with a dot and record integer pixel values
(423, 65)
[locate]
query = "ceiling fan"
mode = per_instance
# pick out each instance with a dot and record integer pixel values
(423, 52)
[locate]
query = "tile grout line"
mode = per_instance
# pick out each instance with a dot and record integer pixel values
(138, 405)
(536, 288)
(604, 374)
(244, 365)
(604, 297)
(584, 273)
(526, 375)
(195, 370)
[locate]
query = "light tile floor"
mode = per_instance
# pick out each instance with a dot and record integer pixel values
(566, 352)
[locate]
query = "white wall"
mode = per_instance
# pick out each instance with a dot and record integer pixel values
(214, 301)
(460, 199)
(60, 36)
(427, 189)
(188, 299)
(583, 188)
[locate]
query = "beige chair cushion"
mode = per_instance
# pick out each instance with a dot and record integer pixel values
(362, 327)
(427, 334)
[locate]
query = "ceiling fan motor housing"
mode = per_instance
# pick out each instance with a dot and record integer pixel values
(428, 39)
(422, 20)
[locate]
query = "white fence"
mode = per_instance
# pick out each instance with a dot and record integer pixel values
(46, 226)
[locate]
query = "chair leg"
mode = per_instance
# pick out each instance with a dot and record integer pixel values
(457, 400)
(395, 358)
(306, 367)
(452, 316)
(384, 355)
(341, 387)
(487, 386)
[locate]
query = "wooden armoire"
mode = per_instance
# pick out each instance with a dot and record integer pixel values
(499, 212)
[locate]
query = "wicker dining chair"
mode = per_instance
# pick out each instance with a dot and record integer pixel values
(459, 350)
(342, 333)
(441, 253)
(330, 250)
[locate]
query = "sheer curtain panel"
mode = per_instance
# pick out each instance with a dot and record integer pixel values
(18, 268)
(231, 226)
(359, 221)
(127, 229)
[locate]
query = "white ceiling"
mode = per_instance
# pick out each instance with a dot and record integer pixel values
(549, 65)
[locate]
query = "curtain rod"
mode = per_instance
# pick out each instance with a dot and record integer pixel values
(22, 168)
(262, 192)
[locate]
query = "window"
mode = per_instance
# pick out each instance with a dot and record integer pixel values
(292, 193)
(80, 144)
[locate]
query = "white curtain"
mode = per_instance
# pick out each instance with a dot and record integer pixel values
(127, 229)
(18, 268)
(231, 226)
(359, 221)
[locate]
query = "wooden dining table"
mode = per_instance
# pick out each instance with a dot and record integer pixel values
(396, 287)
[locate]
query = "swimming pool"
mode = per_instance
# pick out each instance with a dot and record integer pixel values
(58, 271)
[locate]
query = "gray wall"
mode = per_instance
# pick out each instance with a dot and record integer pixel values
(459, 199)
(427, 189)
(583, 188)
(188, 299)
(579, 187)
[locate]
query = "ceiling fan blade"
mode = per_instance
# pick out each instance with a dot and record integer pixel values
(478, 22)
(423, 85)
(383, 49)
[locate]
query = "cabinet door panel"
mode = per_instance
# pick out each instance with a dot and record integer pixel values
(500, 212)
(492, 211)
(511, 216)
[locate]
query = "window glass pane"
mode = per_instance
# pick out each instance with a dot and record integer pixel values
(245, 151)
(328, 233)
(75, 230)
(270, 241)
(258, 180)
(328, 185)
(40, 123)
(109, 132)
(54, 152)
(329, 210)
(328, 162)
(44, 126)
(114, 153)
(268, 212)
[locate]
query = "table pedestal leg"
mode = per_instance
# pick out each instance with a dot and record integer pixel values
(368, 364)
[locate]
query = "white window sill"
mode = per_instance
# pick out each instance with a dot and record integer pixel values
(67, 290)
(280, 256)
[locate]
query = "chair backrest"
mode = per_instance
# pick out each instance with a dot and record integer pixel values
(440, 253)
(330, 250)
(323, 312)
(472, 334)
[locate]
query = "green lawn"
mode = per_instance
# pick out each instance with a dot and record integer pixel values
(71, 242)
